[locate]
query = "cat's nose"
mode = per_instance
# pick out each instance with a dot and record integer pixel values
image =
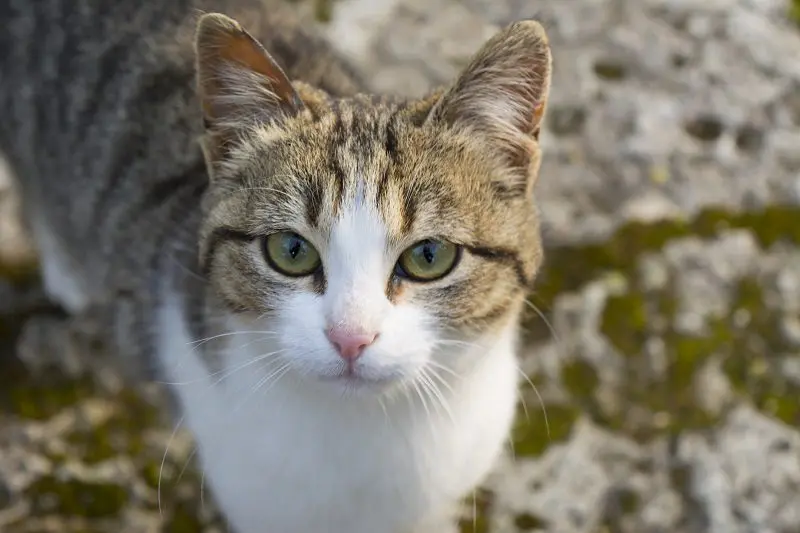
(349, 344)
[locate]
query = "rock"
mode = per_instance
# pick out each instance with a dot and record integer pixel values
(747, 477)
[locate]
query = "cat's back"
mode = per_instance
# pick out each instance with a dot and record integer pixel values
(83, 77)
(93, 71)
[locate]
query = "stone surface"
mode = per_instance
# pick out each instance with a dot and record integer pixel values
(665, 363)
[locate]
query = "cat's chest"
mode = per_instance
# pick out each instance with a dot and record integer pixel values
(269, 456)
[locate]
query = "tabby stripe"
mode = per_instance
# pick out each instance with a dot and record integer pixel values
(502, 255)
(167, 190)
(339, 175)
(313, 194)
(218, 236)
(96, 93)
(493, 314)
(133, 145)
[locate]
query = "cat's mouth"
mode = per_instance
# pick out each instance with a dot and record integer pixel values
(356, 379)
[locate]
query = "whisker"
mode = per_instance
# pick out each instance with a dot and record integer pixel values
(444, 368)
(421, 387)
(186, 269)
(186, 464)
(440, 379)
(163, 462)
(231, 333)
(247, 364)
(424, 402)
(541, 401)
(546, 321)
(436, 393)
(202, 489)
(279, 372)
(456, 342)
(226, 371)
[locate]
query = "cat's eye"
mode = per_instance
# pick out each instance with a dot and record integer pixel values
(428, 260)
(291, 255)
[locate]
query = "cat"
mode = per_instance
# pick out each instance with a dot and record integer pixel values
(331, 281)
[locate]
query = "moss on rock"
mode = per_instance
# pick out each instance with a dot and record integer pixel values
(72, 497)
(654, 403)
(542, 426)
(794, 11)
(481, 502)
(567, 268)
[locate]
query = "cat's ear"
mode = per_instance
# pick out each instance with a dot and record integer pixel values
(239, 83)
(502, 95)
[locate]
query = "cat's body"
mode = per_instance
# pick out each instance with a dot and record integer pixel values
(337, 307)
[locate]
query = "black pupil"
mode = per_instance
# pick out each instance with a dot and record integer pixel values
(294, 247)
(429, 252)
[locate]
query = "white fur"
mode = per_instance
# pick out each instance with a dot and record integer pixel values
(287, 449)
(60, 276)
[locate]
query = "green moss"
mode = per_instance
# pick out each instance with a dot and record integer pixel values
(49, 495)
(625, 321)
(39, 399)
(752, 358)
(323, 10)
(620, 503)
(650, 404)
(151, 471)
(530, 434)
(794, 11)
(481, 502)
(567, 268)
(121, 434)
(610, 70)
(629, 501)
(656, 404)
(529, 522)
(580, 378)
(183, 519)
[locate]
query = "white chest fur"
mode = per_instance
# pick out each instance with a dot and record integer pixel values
(287, 457)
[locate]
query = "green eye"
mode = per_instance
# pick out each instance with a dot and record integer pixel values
(428, 260)
(291, 255)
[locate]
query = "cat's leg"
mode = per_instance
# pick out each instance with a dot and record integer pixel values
(89, 340)
(53, 338)
(58, 267)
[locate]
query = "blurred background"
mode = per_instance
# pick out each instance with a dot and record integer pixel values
(663, 339)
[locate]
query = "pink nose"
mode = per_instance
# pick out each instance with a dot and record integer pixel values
(350, 344)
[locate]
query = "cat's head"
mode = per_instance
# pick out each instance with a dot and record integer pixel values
(374, 238)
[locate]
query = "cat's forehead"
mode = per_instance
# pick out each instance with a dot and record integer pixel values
(418, 182)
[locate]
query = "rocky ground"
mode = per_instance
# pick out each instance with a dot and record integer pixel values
(670, 370)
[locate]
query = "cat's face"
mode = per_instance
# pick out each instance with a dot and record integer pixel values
(374, 239)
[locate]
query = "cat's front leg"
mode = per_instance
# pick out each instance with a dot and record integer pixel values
(79, 342)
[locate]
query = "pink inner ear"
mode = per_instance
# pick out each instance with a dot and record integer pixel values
(233, 47)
